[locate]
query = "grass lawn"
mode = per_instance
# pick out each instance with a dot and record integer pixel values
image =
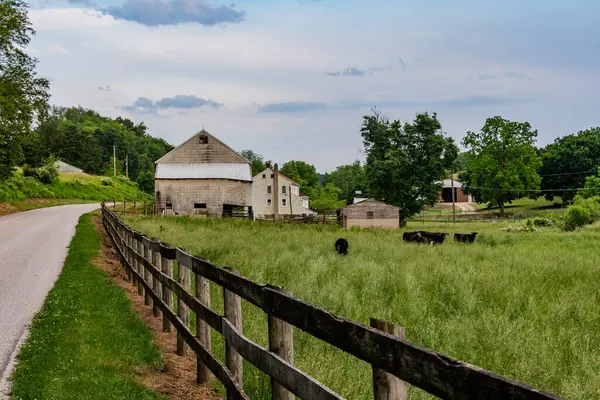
(526, 306)
(85, 343)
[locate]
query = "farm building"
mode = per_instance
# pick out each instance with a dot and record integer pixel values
(370, 213)
(459, 196)
(203, 176)
(62, 166)
(274, 195)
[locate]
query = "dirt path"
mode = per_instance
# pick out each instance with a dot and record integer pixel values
(467, 207)
(178, 377)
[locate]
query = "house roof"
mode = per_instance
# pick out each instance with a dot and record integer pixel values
(280, 174)
(196, 135)
(231, 171)
(64, 167)
(447, 183)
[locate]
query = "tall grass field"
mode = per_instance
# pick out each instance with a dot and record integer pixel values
(524, 305)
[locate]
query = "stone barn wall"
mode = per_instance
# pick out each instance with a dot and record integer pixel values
(184, 193)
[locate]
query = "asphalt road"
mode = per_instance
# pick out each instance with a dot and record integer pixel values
(33, 246)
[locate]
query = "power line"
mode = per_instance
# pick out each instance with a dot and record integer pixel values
(572, 173)
(524, 190)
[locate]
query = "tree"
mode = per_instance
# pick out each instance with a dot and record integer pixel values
(502, 162)
(326, 199)
(567, 162)
(23, 95)
(349, 178)
(146, 182)
(405, 164)
(304, 174)
(255, 159)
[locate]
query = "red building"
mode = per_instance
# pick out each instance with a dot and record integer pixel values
(459, 196)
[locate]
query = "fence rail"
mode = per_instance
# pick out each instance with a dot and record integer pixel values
(149, 266)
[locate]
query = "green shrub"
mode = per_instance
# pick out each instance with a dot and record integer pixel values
(537, 221)
(47, 173)
(106, 181)
(575, 217)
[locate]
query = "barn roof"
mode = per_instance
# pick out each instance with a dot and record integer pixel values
(367, 201)
(447, 183)
(231, 171)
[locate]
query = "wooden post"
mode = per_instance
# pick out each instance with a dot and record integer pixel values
(233, 312)
(144, 207)
(281, 342)
(130, 254)
(386, 386)
(135, 207)
(141, 268)
(124, 208)
(114, 205)
(183, 277)
(202, 328)
(156, 261)
(147, 275)
(167, 295)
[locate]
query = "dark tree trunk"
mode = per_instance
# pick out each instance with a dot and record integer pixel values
(501, 203)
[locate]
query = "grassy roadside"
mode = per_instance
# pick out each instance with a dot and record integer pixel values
(32, 204)
(86, 342)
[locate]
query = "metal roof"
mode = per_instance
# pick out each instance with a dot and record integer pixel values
(447, 183)
(236, 172)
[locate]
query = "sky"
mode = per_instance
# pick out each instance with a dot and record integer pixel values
(292, 79)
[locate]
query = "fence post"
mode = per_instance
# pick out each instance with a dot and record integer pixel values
(156, 261)
(135, 207)
(202, 328)
(183, 277)
(167, 269)
(145, 208)
(130, 274)
(114, 205)
(147, 252)
(141, 268)
(233, 312)
(124, 208)
(281, 342)
(387, 386)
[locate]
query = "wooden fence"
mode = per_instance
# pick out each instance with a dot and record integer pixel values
(131, 207)
(394, 360)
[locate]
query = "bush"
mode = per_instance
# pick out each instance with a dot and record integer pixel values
(575, 217)
(537, 221)
(106, 181)
(47, 173)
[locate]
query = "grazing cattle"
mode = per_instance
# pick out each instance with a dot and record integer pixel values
(434, 237)
(465, 237)
(341, 246)
(406, 236)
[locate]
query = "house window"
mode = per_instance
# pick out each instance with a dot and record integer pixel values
(369, 214)
(269, 189)
(272, 175)
(199, 205)
(283, 202)
(283, 189)
(203, 139)
(169, 206)
(264, 176)
(268, 202)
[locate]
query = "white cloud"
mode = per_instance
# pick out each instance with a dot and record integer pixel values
(280, 60)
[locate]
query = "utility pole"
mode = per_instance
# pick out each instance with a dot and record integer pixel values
(453, 197)
(127, 165)
(114, 160)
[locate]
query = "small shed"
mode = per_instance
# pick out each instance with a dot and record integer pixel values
(459, 195)
(62, 166)
(370, 213)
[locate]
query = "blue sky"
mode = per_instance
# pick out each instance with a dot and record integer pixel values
(292, 79)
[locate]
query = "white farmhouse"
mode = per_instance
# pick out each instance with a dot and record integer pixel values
(274, 195)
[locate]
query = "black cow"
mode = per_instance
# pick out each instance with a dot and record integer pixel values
(465, 237)
(406, 236)
(434, 237)
(341, 246)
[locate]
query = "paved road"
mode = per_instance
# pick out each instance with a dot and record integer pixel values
(33, 246)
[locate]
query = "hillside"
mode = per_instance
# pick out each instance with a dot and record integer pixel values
(71, 186)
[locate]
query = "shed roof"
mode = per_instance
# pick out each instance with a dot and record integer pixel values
(367, 201)
(231, 171)
(447, 183)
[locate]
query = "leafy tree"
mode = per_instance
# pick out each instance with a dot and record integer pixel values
(326, 199)
(255, 159)
(503, 162)
(591, 187)
(146, 182)
(304, 174)
(405, 163)
(349, 178)
(23, 95)
(567, 162)
(119, 165)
